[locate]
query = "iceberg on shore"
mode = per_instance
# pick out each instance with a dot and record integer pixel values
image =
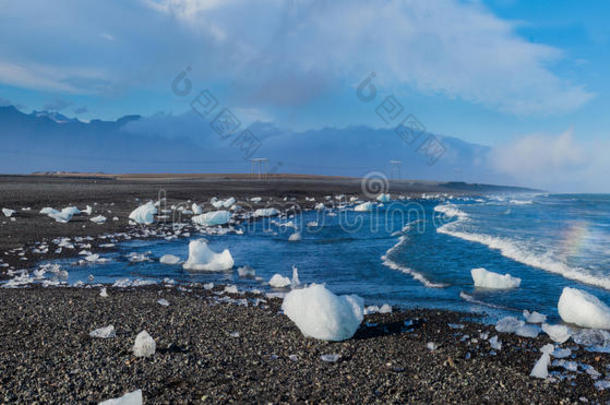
(487, 279)
(583, 309)
(144, 214)
(202, 258)
(212, 218)
(320, 314)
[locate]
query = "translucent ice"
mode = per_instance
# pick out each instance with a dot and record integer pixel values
(487, 279)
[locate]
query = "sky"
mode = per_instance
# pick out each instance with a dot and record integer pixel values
(528, 78)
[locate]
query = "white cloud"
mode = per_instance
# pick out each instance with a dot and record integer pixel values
(444, 46)
(286, 52)
(555, 162)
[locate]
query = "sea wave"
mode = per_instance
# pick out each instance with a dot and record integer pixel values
(386, 261)
(512, 250)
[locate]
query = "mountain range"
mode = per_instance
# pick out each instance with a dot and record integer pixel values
(49, 141)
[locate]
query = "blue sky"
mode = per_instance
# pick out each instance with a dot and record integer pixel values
(506, 73)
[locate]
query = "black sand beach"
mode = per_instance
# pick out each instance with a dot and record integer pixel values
(47, 356)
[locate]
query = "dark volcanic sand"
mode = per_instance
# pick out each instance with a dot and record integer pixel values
(46, 354)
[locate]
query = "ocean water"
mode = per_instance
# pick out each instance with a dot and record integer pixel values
(411, 253)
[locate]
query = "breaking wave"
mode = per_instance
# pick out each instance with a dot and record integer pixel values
(510, 249)
(395, 266)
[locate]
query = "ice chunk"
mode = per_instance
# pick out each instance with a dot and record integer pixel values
(432, 346)
(197, 210)
(212, 218)
(495, 343)
(228, 202)
(602, 385)
(487, 279)
(64, 216)
(279, 281)
(71, 210)
(561, 353)
(529, 331)
(295, 282)
(385, 309)
(256, 199)
(583, 309)
(231, 289)
(103, 333)
(592, 337)
(296, 236)
(48, 210)
(246, 271)
(8, 212)
(208, 286)
(144, 214)
(163, 302)
(364, 207)
(510, 324)
(319, 206)
(557, 333)
(144, 345)
(534, 317)
(266, 212)
(330, 358)
(99, 219)
(88, 210)
(132, 398)
(383, 198)
(201, 257)
(540, 370)
(320, 314)
(169, 259)
(103, 292)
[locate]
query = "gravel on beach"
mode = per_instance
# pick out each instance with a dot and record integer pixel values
(48, 356)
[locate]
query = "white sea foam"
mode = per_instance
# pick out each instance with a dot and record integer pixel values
(511, 249)
(395, 266)
(472, 300)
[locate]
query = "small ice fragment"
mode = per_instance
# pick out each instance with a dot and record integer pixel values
(208, 286)
(487, 279)
(144, 345)
(8, 212)
(330, 358)
(295, 237)
(100, 219)
(383, 198)
(557, 333)
(103, 292)
(364, 207)
(431, 346)
(385, 309)
(293, 357)
(197, 210)
(131, 398)
(540, 369)
(266, 212)
(561, 353)
(455, 325)
(163, 301)
(144, 214)
(602, 385)
(246, 271)
(583, 309)
(231, 289)
(88, 210)
(495, 343)
(234, 334)
(529, 331)
(295, 282)
(212, 218)
(169, 259)
(534, 317)
(279, 281)
(103, 333)
(509, 324)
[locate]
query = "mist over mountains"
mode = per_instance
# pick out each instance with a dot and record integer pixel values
(49, 141)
